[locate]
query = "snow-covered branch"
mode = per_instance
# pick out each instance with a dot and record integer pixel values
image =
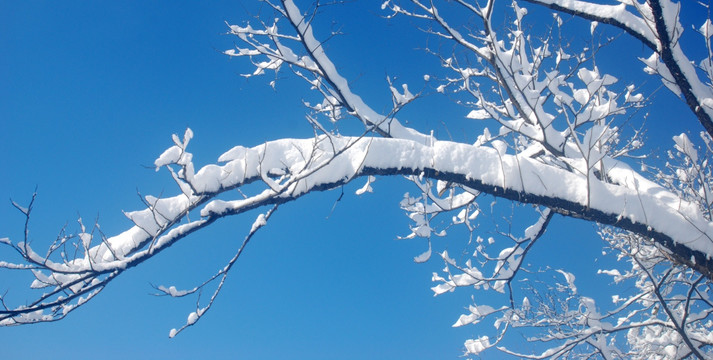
(629, 201)
(558, 146)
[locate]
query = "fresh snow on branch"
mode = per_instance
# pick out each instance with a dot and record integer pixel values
(557, 148)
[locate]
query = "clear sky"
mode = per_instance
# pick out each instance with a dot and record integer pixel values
(90, 93)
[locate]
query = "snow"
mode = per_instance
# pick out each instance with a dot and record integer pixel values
(259, 222)
(425, 256)
(171, 155)
(670, 351)
(477, 313)
(476, 346)
(86, 239)
(525, 304)
(593, 81)
(402, 98)
(569, 277)
(367, 187)
(172, 291)
(684, 145)
(632, 98)
(613, 272)
(42, 280)
(479, 114)
(534, 229)
(655, 66)
(192, 318)
(237, 152)
(160, 213)
(582, 96)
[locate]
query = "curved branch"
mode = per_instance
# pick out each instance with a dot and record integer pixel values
(630, 202)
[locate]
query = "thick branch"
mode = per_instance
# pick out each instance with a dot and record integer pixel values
(630, 202)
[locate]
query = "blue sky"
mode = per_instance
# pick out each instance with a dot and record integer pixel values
(90, 93)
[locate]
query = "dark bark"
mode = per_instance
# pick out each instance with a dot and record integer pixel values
(678, 253)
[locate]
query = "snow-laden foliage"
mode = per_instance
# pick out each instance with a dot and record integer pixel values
(656, 23)
(557, 148)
